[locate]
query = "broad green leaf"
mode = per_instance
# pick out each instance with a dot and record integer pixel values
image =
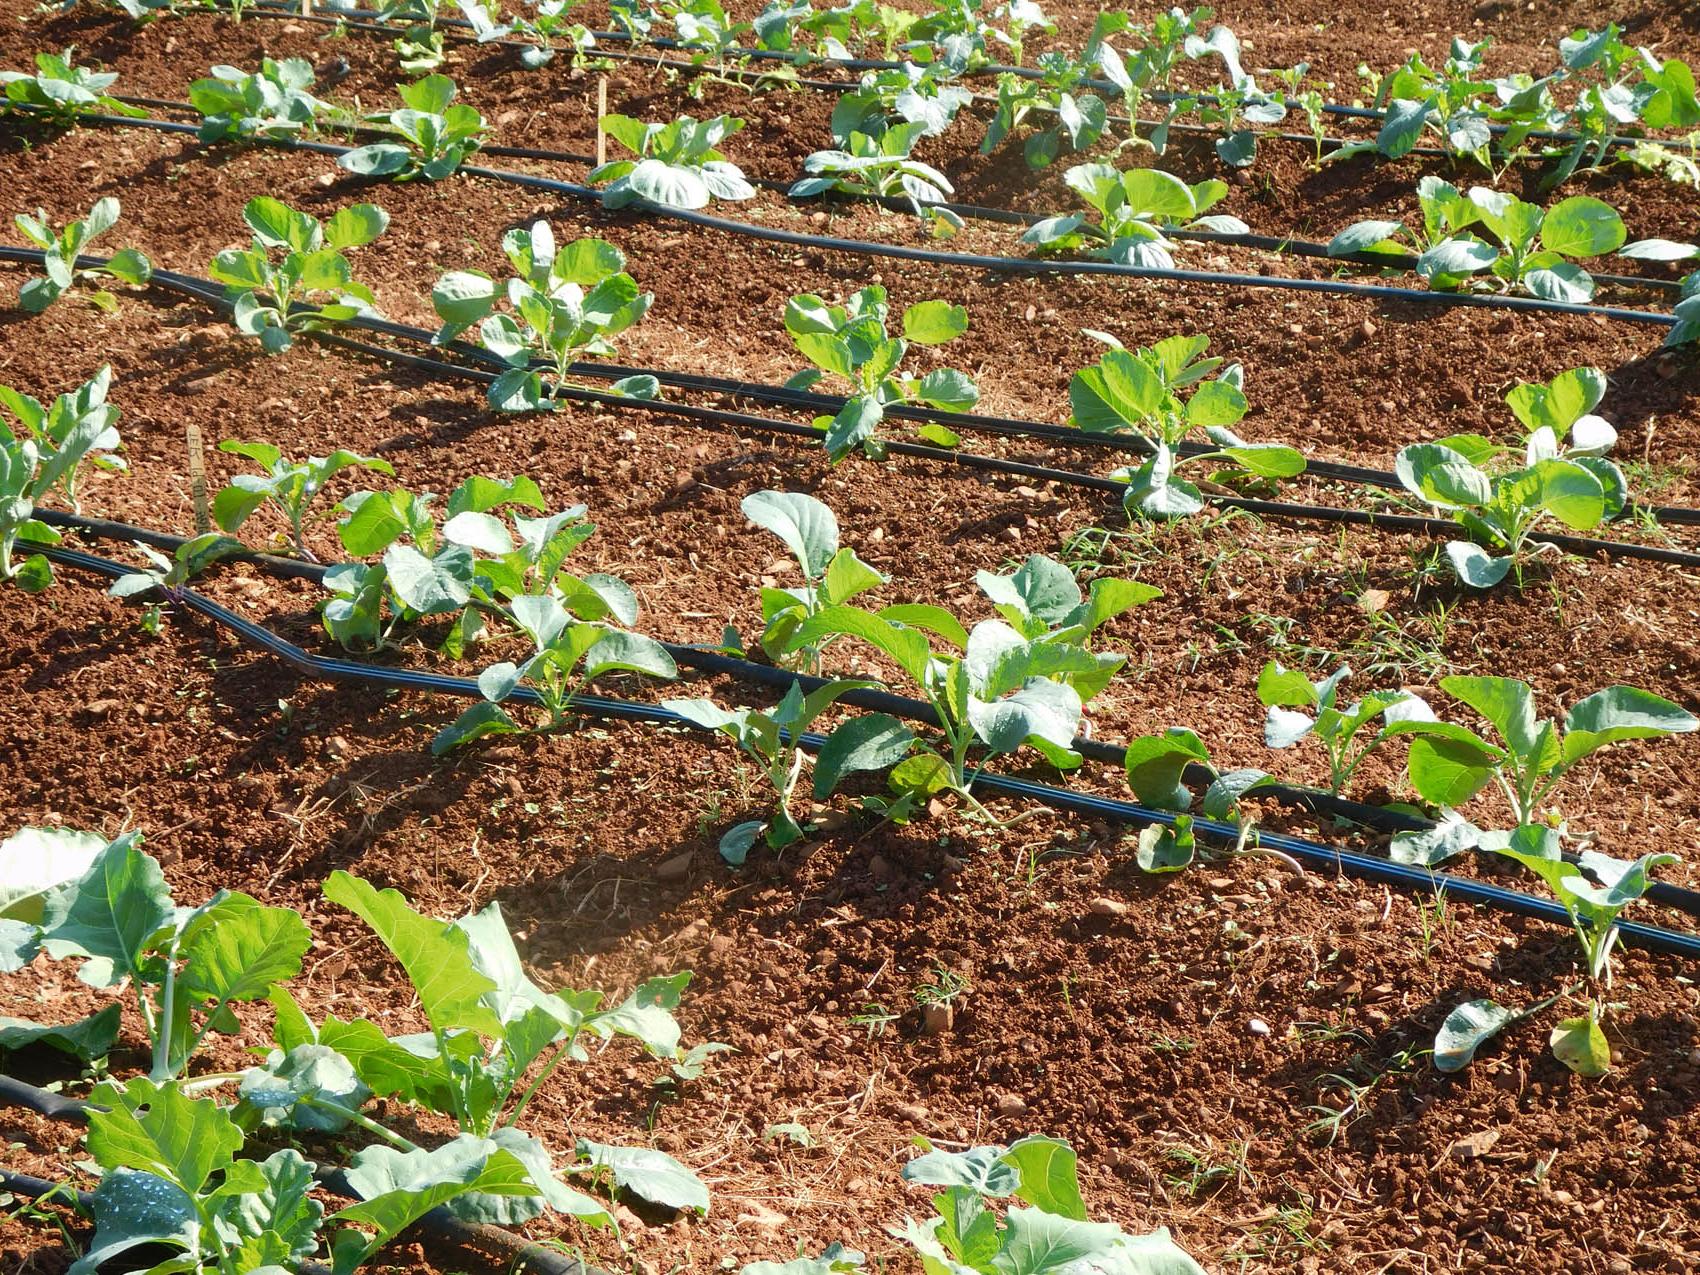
(805, 525)
(132, 1208)
(434, 953)
(983, 1170)
(649, 1175)
(872, 741)
(1582, 226)
(238, 949)
(155, 1129)
(1050, 1177)
(282, 1091)
(1580, 1045)
(110, 915)
(934, 322)
(396, 1188)
(1036, 1241)
(87, 1038)
(1155, 764)
(36, 861)
(1466, 1030)
(907, 647)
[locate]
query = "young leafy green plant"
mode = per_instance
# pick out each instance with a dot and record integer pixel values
(1134, 209)
(169, 574)
(287, 486)
(850, 342)
(436, 136)
(1594, 890)
(312, 285)
(495, 1037)
(1139, 393)
(1051, 1233)
(573, 644)
(118, 918)
(881, 167)
(770, 738)
(1561, 411)
(275, 103)
(677, 164)
(1156, 768)
(544, 26)
(1504, 510)
(908, 94)
(1060, 93)
(1019, 680)
(554, 318)
(831, 575)
(1533, 249)
(1287, 692)
(61, 249)
(1449, 764)
(42, 448)
(64, 91)
(473, 564)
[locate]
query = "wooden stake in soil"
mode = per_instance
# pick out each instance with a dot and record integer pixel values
(197, 478)
(601, 112)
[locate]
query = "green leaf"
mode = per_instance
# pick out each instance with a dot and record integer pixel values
(872, 741)
(1162, 850)
(430, 586)
(396, 1188)
(356, 225)
(907, 647)
(1155, 763)
(934, 322)
(88, 1038)
(110, 915)
(280, 1212)
(805, 525)
(649, 1175)
(132, 1208)
(1580, 1045)
(1582, 226)
(236, 950)
(36, 861)
(1466, 1030)
(1050, 1177)
(491, 1209)
(155, 1129)
(434, 953)
(1036, 1241)
(1619, 713)
(282, 1091)
(983, 1170)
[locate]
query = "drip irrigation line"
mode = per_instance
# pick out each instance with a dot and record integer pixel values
(519, 1255)
(371, 19)
(1283, 245)
(1313, 854)
(1431, 527)
(993, 263)
(708, 660)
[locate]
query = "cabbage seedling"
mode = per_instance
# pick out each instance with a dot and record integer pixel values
(677, 165)
(1287, 692)
(1134, 209)
(272, 104)
(1504, 510)
(831, 575)
(573, 643)
(543, 26)
(1156, 769)
(564, 304)
(169, 574)
(287, 486)
(850, 342)
(1051, 1233)
(61, 249)
(436, 136)
(63, 91)
(274, 299)
(1139, 393)
(1021, 680)
(1448, 764)
(771, 739)
(909, 94)
(42, 448)
(881, 167)
(1594, 892)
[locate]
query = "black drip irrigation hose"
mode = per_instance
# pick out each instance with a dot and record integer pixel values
(706, 660)
(1433, 528)
(371, 19)
(518, 1255)
(1308, 853)
(996, 264)
(1282, 245)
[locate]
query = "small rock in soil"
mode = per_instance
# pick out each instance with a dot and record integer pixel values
(1473, 1145)
(1107, 907)
(1010, 1106)
(675, 868)
(1258, 1027)
(937, 1019)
